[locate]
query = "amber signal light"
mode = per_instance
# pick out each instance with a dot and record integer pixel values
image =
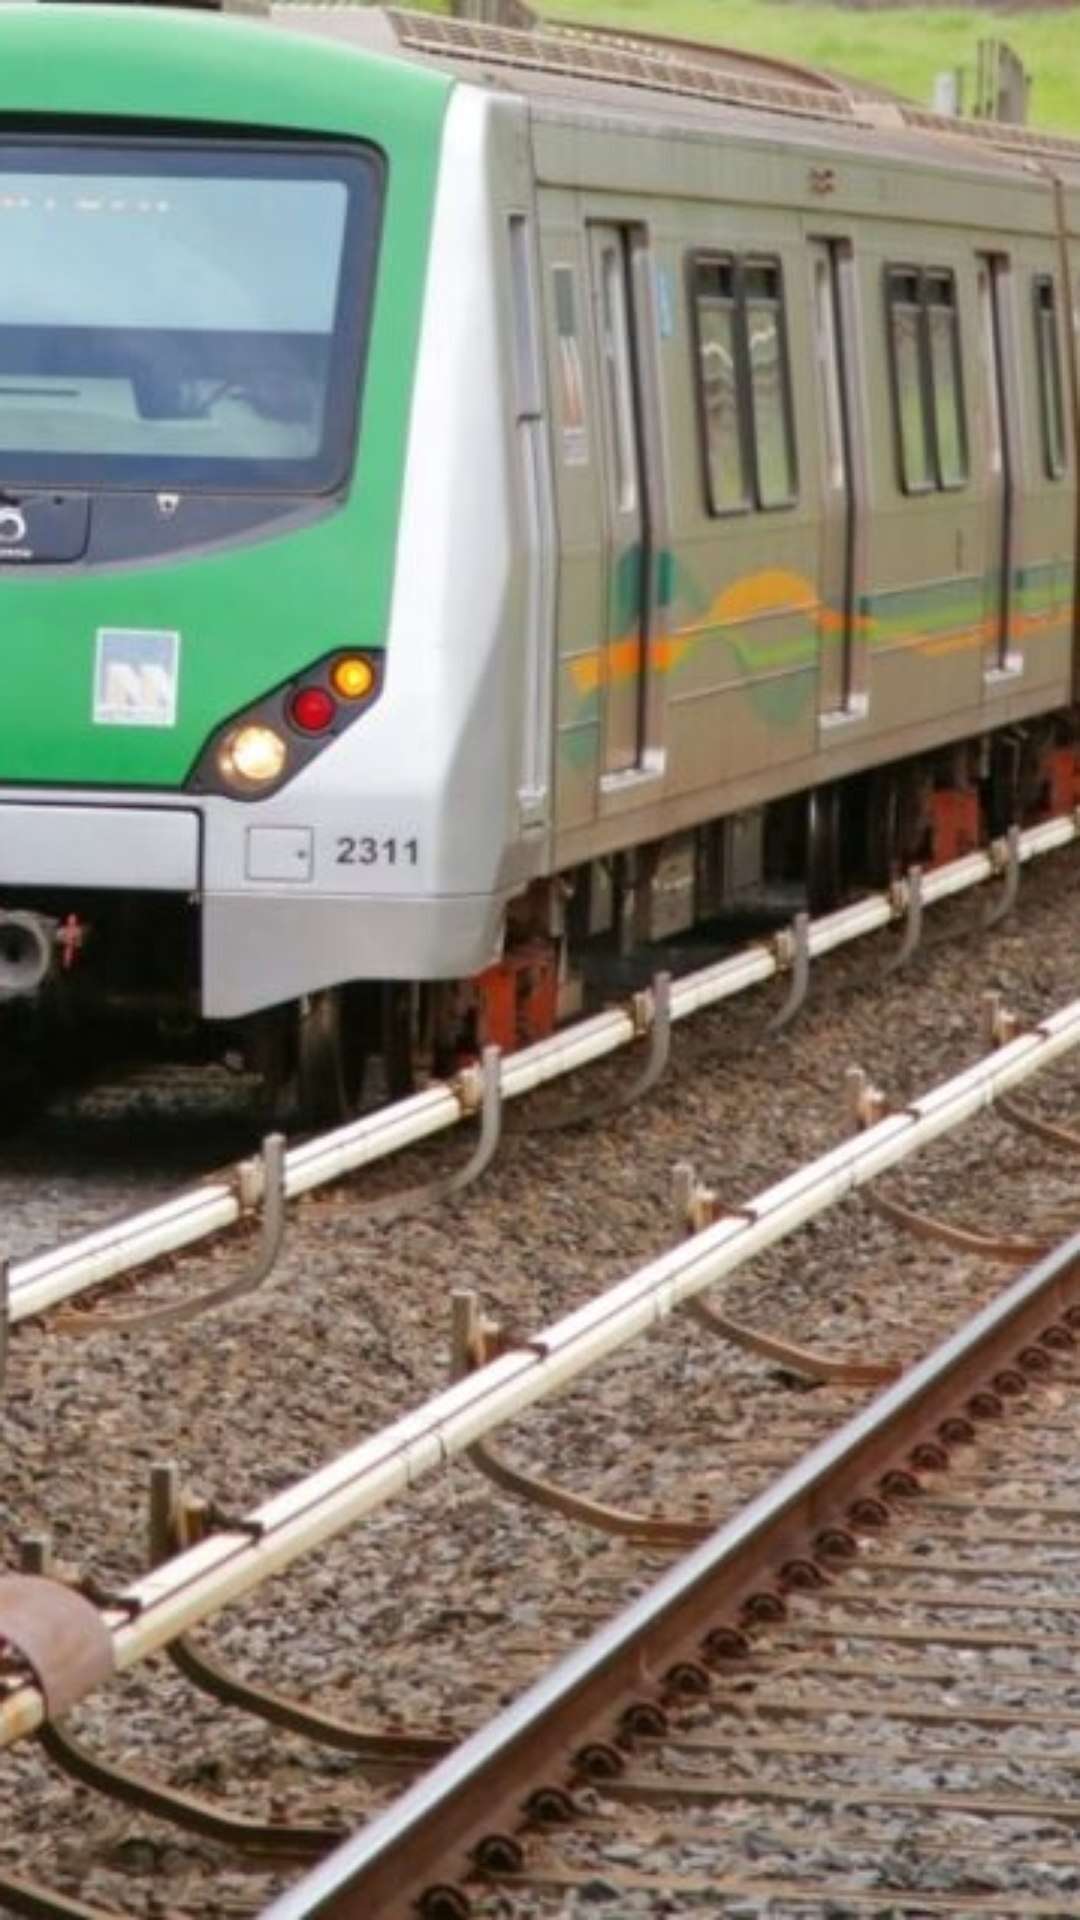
(352, 677)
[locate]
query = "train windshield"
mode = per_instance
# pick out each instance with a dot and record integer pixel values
(182, 316)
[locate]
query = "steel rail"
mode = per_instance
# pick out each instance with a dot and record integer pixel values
(188, 1589)
(480, 1789)
(44, 1280)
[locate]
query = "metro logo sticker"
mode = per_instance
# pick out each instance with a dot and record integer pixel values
(136, 675)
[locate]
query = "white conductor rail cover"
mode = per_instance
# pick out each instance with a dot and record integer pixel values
(46, 1279)
(199, 1582)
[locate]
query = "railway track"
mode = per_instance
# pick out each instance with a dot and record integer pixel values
(254, 1188)
(901, 1605)
(226, 1557)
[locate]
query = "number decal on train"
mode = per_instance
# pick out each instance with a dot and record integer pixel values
(367, 850)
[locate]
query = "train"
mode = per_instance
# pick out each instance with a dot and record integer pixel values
(472, 499)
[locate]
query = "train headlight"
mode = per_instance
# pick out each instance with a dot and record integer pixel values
(252, 756)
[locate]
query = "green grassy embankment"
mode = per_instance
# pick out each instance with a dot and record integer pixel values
(898, 48)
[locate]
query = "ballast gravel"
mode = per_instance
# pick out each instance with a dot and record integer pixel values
(449, 1602)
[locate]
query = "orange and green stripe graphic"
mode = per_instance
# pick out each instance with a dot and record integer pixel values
(932, 621)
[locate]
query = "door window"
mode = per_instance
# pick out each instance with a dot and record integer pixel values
(619, 373)
(1050, 394)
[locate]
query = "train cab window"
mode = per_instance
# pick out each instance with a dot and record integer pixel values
(924, 338)
(726, 463)
(184, 315)
(774, 447)
(1050, 395)
(744, 387)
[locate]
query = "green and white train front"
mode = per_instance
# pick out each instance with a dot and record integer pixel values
(261, 520)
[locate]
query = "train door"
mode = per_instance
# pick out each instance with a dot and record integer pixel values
(842, 675)
(628, 532)
(1000, 442)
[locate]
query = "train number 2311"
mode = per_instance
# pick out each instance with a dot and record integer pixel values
(367, 850)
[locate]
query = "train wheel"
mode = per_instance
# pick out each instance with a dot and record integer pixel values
(312, 1056)
(883, 827)
(331, 1053)
(398, 1011)
(823, 876)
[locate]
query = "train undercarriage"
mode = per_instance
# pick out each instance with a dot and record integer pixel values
(91, 980)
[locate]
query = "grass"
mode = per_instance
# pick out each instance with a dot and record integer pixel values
(901, 48)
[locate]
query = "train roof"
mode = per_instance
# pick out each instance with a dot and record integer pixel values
(571, 75)
(682, 83)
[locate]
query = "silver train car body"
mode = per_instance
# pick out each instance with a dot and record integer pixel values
(738, 519)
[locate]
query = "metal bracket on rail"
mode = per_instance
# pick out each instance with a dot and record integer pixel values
(260, 1184)
(476, 1340)
(266, 1838)
(907, 898)
(1012, 1250)
(698, 1207)
(867, 1103)
(869, 1106)
(1005, 858)
(792, 949)
(1000, 1026)
(65, 1645)
(179, 1521)
(58, 1634)
(477, 1088)
(651, 1015)
(1047, 1131)
(33, 1902)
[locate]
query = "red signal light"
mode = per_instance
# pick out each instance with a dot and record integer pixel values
(312, 709)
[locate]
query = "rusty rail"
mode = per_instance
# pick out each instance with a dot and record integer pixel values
(466, 1814)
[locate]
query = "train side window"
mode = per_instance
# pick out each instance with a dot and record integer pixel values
(924, 337)
(770, 390)
(718, 361)
(1050, 395)
(943, 331)
(909, 379)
